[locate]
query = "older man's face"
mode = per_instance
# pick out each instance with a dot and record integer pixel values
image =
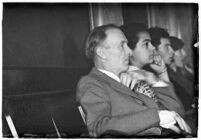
(166, 51)
(117, 52)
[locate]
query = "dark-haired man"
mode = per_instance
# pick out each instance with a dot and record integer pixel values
(160, 39)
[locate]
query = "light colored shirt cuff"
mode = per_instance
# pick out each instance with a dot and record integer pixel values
(166, 118)
(168, 125)
(160, 84)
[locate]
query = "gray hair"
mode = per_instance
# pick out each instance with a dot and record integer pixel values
(95, 38)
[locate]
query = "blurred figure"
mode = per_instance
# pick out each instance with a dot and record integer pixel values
(180, 74)
(162, 41)
(179, 57)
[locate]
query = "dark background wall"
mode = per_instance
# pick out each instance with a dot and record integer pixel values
(133, 12)
(43, 59)
(44, 35)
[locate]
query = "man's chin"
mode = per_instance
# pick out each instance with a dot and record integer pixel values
(125, 68)
(150, 62)
(168, 62)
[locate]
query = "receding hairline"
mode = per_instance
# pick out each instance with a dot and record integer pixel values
(117, 29)
(109, 30)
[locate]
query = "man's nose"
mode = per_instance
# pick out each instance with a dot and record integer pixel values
(128, 51)
(152, 47)
(171, 50)
(183, 52)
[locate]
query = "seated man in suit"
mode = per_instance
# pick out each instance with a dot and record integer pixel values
(110, 105)
(148, 83)
(139, 41)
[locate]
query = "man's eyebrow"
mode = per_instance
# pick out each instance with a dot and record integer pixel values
(124, 41)
(146, 40)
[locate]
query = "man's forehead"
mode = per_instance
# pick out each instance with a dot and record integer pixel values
(114, 33)
(165, 40)
(144, 35)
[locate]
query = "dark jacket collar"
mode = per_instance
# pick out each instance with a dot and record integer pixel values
(113, 83)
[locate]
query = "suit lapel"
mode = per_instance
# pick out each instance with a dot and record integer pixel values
(148, 101)
(123, 89)
(114, 84)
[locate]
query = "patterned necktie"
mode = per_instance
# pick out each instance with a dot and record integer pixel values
(143, 87)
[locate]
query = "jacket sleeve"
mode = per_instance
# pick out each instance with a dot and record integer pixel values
(169, 99)
(96, 103)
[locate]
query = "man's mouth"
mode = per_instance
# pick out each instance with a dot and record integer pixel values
(171, 59)
(151, 56)
(126, 60)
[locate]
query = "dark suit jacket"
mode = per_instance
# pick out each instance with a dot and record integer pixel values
(184, 86)
(109, 105)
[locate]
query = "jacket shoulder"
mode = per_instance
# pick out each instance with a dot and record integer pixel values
(88, 85)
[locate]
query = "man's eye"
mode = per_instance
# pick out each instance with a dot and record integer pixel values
(168, 47)
(147, 44)
(122, 45)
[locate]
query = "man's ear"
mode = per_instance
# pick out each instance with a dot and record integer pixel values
(100, 52)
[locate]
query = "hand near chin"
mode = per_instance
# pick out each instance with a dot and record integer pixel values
(158, 65)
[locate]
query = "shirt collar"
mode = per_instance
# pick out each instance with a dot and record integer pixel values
(110, 74)
(132, 68)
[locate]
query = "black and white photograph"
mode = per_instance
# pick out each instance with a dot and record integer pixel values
(100, 70)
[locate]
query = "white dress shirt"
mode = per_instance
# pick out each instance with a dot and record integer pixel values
(110, 74)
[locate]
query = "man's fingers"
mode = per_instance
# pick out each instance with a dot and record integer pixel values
(139, 77)
(175, 129)
(189, 129)
(123, 79)
(180, 122)
(128, 81)
(157, 60)
(186, 127)
(133, 83)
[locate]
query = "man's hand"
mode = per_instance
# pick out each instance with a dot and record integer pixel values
(149, 77)
(159, 65)
(131, 78)
(128, 80)
(168, 119)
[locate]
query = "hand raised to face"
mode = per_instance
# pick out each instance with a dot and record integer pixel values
(158, 65)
